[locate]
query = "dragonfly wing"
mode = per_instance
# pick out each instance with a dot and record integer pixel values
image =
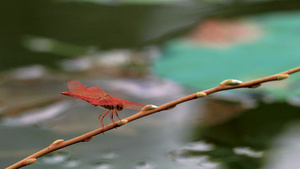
(75, 86)
(132, 105)
(96, 90)
(93, 91)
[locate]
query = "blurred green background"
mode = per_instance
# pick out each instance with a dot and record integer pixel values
(151, 52)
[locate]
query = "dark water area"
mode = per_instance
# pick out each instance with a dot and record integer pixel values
(65, 29)
(254, 129)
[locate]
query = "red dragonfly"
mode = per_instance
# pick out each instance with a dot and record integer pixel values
(97, 97)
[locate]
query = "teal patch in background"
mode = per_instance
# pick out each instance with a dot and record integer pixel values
(277, 50)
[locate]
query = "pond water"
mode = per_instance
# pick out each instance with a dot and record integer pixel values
(263, 136)
(146, 143)
(112, 45)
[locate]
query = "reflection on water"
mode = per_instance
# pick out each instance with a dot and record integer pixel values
(248, 152)
(144, 165)
(190, 154)
(29, 72)
(55, 158)
(102, 165)
(76, 65)
(36, 116)
(109, 155)
(198, 146)
(197, 161)
(71, 163)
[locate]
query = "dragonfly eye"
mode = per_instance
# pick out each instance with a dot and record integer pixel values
(119, 108)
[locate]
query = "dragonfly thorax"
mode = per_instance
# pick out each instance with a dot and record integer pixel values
(111, 107)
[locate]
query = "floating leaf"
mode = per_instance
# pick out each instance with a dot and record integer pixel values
(276, 50)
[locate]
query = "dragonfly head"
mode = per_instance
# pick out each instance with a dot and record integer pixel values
(119, 107)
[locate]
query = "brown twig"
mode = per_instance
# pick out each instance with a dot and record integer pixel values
(150, 109)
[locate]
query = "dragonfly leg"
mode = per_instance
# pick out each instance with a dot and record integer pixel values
(112, 115)
(101, 117)
(116, 113)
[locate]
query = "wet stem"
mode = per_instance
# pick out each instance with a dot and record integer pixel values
(151, 109)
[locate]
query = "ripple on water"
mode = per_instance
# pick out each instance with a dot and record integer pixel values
(189, 159)
(247, 151)
(102, 165)
(199, 146)
(201, 161)
(71, 163)
(55, 158)
(209, 165)
(144, 165)
(109, 155)
(194, 154)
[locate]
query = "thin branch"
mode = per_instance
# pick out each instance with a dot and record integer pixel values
(150, 109)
